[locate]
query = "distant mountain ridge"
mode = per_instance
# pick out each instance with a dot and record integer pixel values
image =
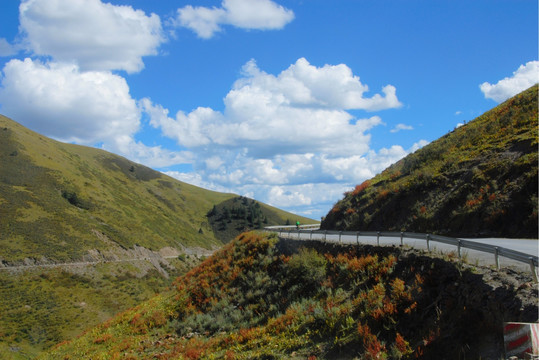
(479, 180)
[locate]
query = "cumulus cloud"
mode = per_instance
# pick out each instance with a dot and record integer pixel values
(280, 134)
(92, 34)
(152, 156)
(60, 101)
(302, 110)
(418, 145)
(92, 107)
(400, 127)
(74, 96)
(282, 138)
(523, 78)
(245, 14)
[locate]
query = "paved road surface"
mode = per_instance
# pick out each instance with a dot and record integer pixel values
(527, 246)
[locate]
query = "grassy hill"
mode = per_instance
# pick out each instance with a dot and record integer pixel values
(240, 214)
(264, 298)
(64, 203)
(60, 200)
(479, 180)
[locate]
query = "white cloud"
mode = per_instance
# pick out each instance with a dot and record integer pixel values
(307, 184)
(152, 156)
(86, 108)
(285, 139)
(303, 84)
(6, 49)
(523, 78)
(302, 110)
(92, 34)
(195, 178)
(282, 197)
(246, 14)
(60, 101)
(400, 127)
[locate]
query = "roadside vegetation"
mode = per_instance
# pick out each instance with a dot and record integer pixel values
(479, 180)
(261, 298)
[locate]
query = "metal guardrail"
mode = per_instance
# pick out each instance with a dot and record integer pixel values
(497, 251)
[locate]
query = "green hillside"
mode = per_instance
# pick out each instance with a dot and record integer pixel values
(240, 214)
(136, 229)
(479, 180)
(264, 298)
(60, 200)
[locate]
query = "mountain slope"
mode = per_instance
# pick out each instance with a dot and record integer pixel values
(264, 298)
(132, 229)
(479, 180)
(60, 200)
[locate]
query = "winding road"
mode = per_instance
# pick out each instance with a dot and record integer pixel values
(525, 246)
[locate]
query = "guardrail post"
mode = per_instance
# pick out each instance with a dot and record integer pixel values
(298, 233)
(458, 248)
(340, 234)
(402, 237)
(378, 238)
(497, 257)
(532, 267)
(428, 242)
(325, 235)
(357, 238)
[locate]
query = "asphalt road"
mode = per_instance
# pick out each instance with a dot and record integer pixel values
(527, 246)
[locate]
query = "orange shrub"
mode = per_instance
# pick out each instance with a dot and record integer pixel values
(372, 346)
(102, 338)
(402, 345)
(382, 194)
(395, 175)
(359, 188)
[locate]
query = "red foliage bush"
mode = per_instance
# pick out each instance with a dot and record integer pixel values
(361, 187)
(102, 339)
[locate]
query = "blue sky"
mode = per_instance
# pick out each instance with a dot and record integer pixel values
(290, 102)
